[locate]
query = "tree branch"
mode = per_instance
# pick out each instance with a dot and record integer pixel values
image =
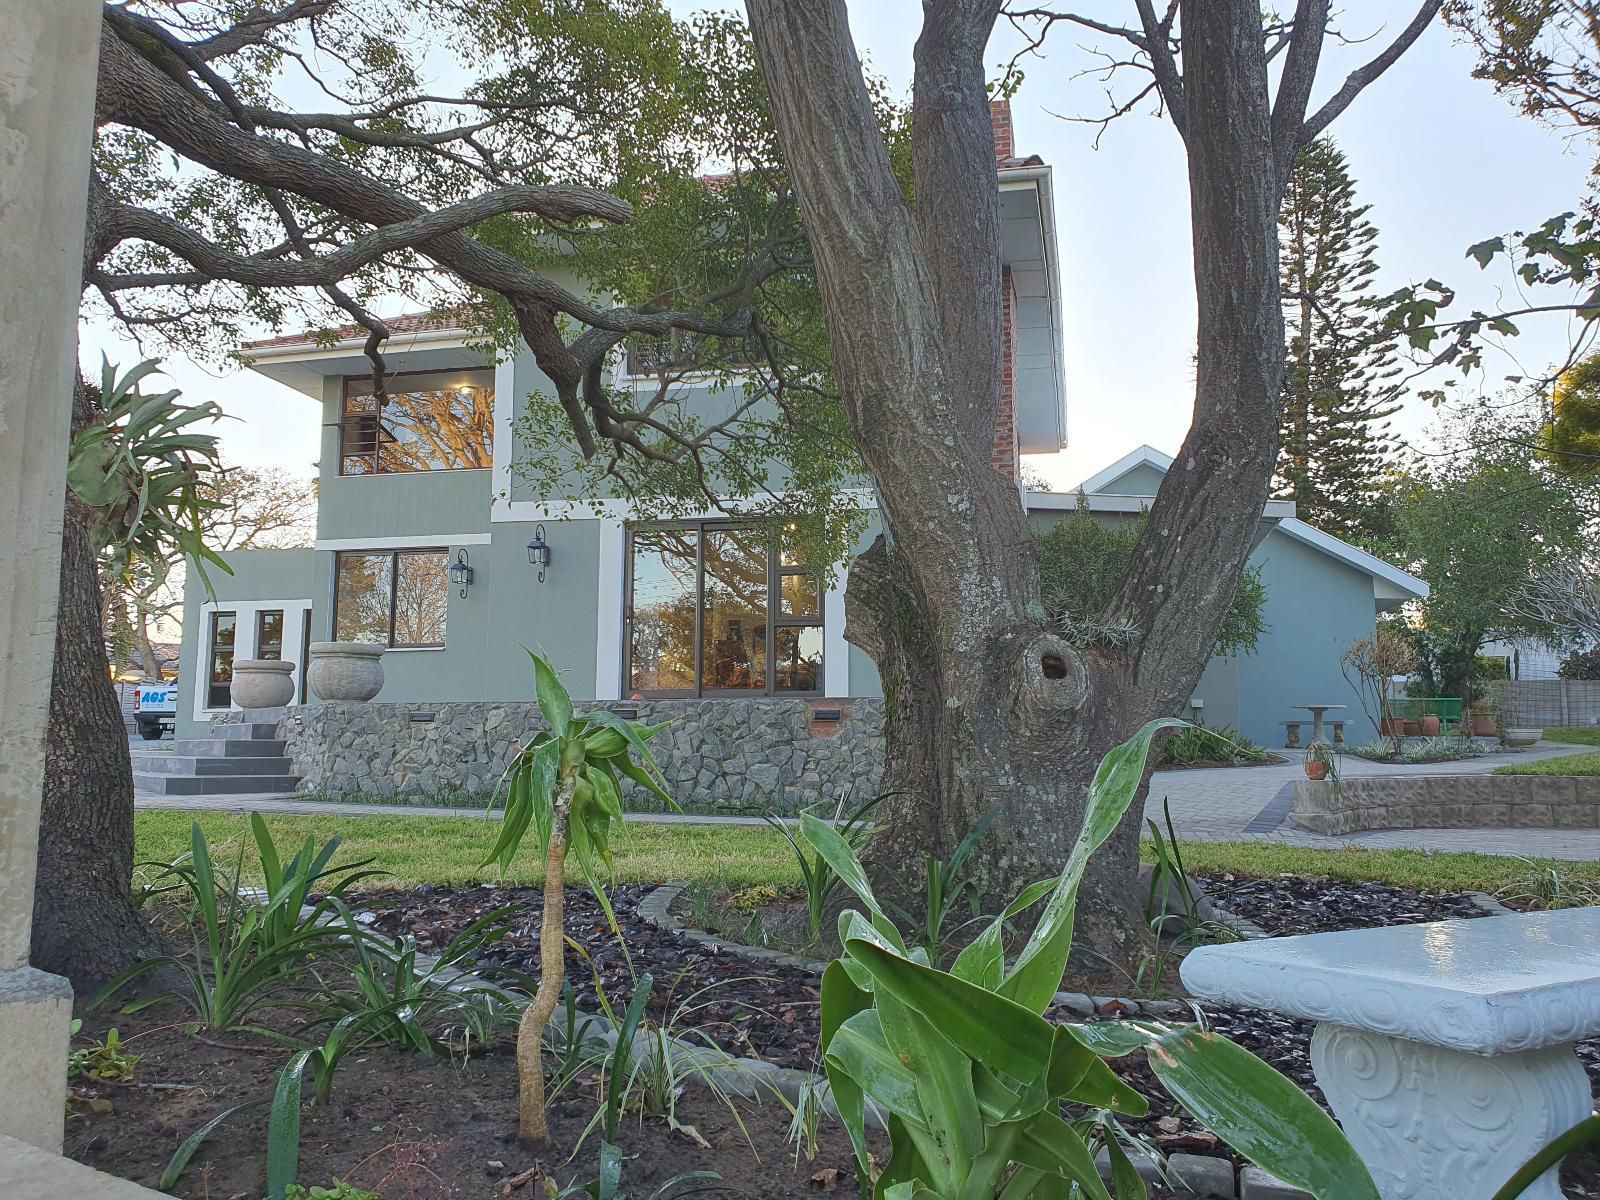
(1294, 86)
(1358, 79)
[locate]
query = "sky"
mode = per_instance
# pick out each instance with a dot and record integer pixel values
(1442, 160)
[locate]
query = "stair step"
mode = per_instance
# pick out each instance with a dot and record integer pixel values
(230, 747)
(210, 785)
(263, 730)
(210, 764)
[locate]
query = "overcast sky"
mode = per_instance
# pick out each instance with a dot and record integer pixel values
(1443, 161)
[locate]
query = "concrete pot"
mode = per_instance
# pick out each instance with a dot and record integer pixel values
(262, 682)
(1522, 737)
(346, 671)
(1429, 725)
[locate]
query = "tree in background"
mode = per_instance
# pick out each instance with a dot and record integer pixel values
(1571, 438)
(269, 509)
(1338, 376)
(1478, 521)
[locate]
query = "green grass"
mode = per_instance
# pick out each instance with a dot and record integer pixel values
(436, 849)
(1582, 735)
(440, 849)
(1572, 764)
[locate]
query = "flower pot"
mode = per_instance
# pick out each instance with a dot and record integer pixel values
(1523, 736)
(1315, 769)
(1391, 727)
(1483, 725)
(1429, 725)
(345, 671)
(262, 683)
(1410, 728)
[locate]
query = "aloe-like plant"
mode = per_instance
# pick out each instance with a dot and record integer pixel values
(971, 1076)
(566, 786)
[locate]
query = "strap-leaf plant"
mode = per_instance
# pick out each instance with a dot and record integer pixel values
(971, 1077)
(566, 786)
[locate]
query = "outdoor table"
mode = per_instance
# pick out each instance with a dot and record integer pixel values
(1445, 1049)
(1316, 711)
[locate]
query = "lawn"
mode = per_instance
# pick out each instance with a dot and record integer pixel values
(437, 849)
(1572, 764)
(1580, 735)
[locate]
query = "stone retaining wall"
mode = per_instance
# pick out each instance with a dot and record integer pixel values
(1446, 802)
(734, 754)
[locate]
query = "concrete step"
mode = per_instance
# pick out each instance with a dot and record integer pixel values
(230, 747)
(193, 764)
(262, 730)
(210, 785)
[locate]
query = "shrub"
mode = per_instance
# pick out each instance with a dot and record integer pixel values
(1199, 743)
(1580, 664)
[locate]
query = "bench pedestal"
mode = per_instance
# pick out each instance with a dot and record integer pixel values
(1438, 1124)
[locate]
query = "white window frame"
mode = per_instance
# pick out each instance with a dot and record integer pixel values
(295, 615)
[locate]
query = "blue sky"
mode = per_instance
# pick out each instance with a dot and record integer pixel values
(1443, 161)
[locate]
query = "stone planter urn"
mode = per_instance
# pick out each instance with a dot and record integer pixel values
(1522, 737)
(346, 671)
(262, 683)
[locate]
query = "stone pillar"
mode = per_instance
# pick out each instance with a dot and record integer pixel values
(48, 56)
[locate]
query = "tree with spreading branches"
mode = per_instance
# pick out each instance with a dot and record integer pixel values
(768, 213)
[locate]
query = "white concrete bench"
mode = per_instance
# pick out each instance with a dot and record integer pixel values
(1444, 1049)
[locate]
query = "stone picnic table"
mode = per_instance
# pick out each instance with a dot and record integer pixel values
(1316, 711)
(1445, 1049)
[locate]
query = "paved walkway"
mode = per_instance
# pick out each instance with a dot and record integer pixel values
(1214, 804)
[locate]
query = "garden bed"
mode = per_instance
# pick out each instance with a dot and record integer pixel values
(412, 1126)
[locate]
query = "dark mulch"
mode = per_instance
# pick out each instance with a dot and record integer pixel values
(1297, 904)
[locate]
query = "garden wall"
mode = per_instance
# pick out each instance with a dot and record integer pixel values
(1446, 802)
(734, 754)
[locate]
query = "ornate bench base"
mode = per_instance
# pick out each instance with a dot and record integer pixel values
(1438, 1124)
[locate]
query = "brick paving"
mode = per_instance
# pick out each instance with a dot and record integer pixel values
(1208, 805)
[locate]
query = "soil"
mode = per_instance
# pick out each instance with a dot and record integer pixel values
(412, 1126)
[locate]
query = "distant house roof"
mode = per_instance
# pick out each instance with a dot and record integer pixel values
(415, 322)
(1111, 490)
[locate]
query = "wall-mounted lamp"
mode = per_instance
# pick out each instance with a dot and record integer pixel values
(461, 572)
(538, 551)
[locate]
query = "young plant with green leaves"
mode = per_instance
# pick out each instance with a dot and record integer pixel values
(566, 786)
(816, 876)
(971, 1076)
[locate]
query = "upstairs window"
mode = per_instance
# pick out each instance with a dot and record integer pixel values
(393, 598)
(716, 610)
(432, 421)
(685, 353)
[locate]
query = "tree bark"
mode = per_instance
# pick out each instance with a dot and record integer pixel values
(987, 708)
(84, 923)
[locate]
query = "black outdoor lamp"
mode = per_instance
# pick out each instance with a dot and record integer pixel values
(461, 572)
(538, 551)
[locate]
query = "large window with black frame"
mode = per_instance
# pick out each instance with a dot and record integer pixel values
(427, 421)
(718, 609)
(219, 668)
(396, 598)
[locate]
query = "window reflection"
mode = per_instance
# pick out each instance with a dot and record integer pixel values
(665, 566)
(219, 669)
(436, 421)
(393, 599)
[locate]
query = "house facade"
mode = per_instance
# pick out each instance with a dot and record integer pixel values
(431, 544)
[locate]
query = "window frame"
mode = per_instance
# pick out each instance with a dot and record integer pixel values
(211, 658)
(394, 555)
(375, 457)
(775, 618)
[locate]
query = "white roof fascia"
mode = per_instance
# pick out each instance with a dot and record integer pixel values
(1143, 456)
(1042, 179)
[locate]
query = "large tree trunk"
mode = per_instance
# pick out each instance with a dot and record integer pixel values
(84, 924)
(987, 707)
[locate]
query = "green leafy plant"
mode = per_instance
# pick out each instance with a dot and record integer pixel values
(1580, 1135)
(943, 889)
(245, 944)
(144, 476)
(565, 786)
(1321, 752)
(1545, 886)
(400, 992)
(971, 1075)
(816, 876)
(186, 1150)
(1204, 744)
(104, 1062)
(339, 1191)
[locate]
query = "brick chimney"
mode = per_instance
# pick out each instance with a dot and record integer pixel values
(1005, 426)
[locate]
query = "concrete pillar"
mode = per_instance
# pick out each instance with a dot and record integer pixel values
(48, 56)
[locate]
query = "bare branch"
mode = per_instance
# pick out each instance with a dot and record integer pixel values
(1294, 87)
(1358, 79)
(1158, 44)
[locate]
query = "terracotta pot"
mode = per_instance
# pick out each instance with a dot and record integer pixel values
(1429, 725)
(1316, 769)
(1484, 725)
(1391, 727)
(262, 683)
(346, 671)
